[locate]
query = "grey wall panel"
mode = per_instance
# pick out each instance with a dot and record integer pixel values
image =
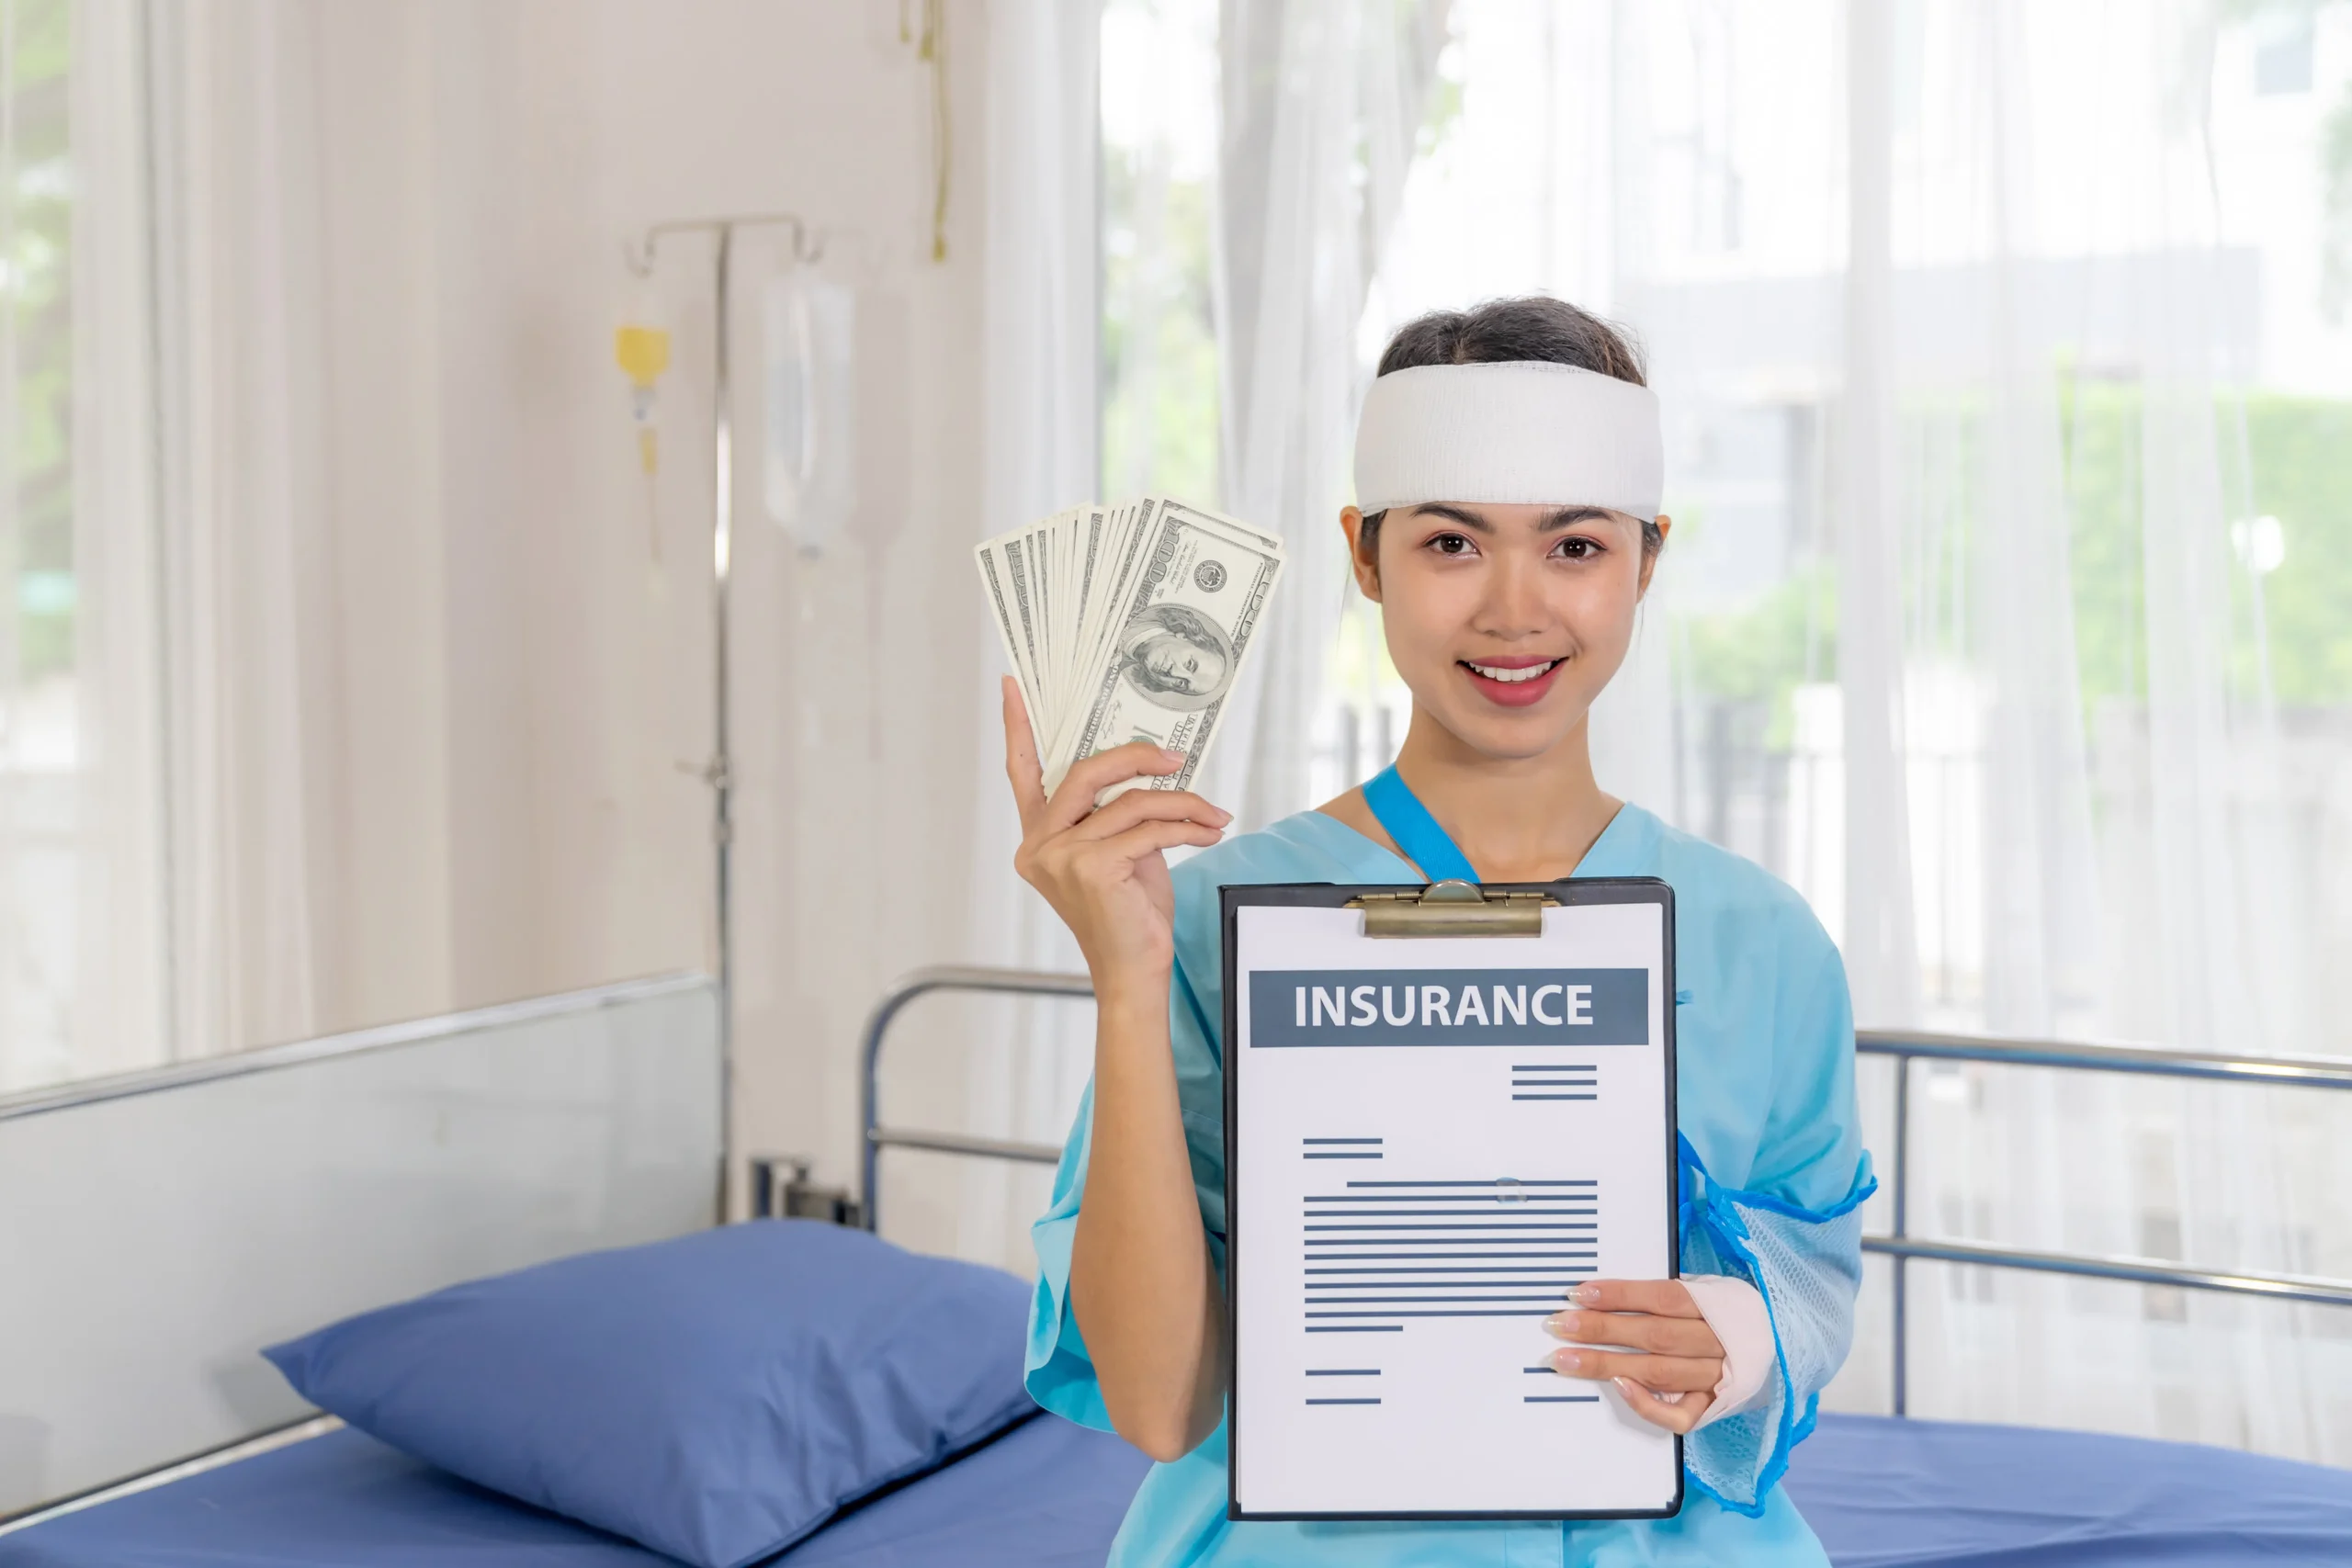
(157, 1231)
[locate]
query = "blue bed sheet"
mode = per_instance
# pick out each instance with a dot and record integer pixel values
(1882, 1493)
(1046, 1493)
(1888, 1494)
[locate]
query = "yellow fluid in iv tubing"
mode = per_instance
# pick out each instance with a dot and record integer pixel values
(643, 353)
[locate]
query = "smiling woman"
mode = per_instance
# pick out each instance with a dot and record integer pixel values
(1506, 618)
(1510, 465)
(1497, 572)
(1566, 369)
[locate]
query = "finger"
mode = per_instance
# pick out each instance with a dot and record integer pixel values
(1667, 1298)
(1683, 1374)
(1149, 839)
(1020, 757)
(1150, 804)
(1679, 1417)
(1636, 1331)
(1091, 777)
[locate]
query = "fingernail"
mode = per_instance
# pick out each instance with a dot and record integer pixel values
(1223, 816)
(1624, 1386)
(1562, 1360)
(1557, 1325)
(1171, 756)
(1587, 1293)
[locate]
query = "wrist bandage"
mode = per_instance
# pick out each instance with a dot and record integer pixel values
(1522, 432)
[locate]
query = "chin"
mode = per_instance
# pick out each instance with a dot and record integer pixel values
(1514, 737)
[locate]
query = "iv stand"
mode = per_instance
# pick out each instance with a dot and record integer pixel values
(718, 771)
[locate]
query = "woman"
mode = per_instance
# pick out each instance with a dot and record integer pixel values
(1509, 462)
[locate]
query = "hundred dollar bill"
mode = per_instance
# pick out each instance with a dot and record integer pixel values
(1008, 597)
(1174, 640)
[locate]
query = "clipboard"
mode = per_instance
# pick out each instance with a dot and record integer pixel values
(1443, 1107)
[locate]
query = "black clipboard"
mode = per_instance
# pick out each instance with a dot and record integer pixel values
(1451, 909)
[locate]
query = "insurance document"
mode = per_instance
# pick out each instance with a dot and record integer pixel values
(1430, 1140)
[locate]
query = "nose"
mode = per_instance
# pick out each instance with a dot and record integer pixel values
(1513, 606)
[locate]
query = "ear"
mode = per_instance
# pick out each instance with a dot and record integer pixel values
(1650, 558)
(1367, 568)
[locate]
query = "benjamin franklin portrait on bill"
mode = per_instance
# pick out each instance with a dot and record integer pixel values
(1176, 657)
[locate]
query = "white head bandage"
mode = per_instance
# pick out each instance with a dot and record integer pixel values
(1524, 432)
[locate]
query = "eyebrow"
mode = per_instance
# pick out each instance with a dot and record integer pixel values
(1453, 513)
(1564, 517)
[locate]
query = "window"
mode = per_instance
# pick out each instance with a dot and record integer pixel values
(2283, 43)
(50, 758)
(1159, 369)
(2008, 419)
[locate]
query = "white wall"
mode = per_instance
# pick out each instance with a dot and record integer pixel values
(506, 689)
(853, 715)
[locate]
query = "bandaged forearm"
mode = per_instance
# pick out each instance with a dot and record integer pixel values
(1736, 1312)
(1804, 1268)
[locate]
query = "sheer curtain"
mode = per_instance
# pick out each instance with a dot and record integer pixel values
(241, 356)
(1989, 336)
(319, 704)
(84, 958)
(1320, 106)
(172, 770)
(1317, 111)
(1039, 335)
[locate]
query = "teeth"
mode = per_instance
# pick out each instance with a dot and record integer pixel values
(1512, 677)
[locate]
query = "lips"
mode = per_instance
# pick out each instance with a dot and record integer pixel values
(1516, 681)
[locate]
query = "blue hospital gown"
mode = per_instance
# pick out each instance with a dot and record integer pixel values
(1766, 1091)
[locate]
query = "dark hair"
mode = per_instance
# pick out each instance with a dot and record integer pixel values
(1502, 332)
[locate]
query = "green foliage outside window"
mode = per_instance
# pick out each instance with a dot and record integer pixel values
(1160, 367)
(2299, 453)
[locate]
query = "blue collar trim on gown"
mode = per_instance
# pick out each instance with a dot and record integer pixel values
(1416, 833)
(1419, 840)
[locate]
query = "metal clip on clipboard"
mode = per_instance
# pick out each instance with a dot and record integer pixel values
(1454, 907)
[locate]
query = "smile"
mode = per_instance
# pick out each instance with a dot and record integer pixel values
(1514, 682)
(1511, 675)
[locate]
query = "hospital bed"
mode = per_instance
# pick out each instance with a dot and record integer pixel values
(592, 1121)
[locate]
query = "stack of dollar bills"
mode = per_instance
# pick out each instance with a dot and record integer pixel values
(1129, 623)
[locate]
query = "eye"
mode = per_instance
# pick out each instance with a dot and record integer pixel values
(1575, 546)
(1452, 545)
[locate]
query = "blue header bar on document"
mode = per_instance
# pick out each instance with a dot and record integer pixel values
(1449, 1007)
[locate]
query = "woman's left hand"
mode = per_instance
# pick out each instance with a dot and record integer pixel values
(1668, 1347)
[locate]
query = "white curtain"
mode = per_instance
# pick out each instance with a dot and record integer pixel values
(1320, 105)
(1995, 793)
(1970, 424)
(344, 704)
(1317, 110)
(81, 944)
(1029, 1062)
(243, 377)
(193, 738)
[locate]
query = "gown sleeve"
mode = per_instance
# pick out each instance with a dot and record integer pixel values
(1795, 1233)
(1060, 1373)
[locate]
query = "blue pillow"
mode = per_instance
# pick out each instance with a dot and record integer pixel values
(716, 1397)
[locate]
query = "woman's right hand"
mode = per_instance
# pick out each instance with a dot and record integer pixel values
(1103, 871)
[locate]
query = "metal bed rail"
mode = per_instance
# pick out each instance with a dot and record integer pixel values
(874, 1137)
(1904, 1046)
(1907, 1047)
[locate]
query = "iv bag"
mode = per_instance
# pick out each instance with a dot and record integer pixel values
(811, 437)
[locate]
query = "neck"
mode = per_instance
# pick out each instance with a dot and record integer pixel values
(1518, 819)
